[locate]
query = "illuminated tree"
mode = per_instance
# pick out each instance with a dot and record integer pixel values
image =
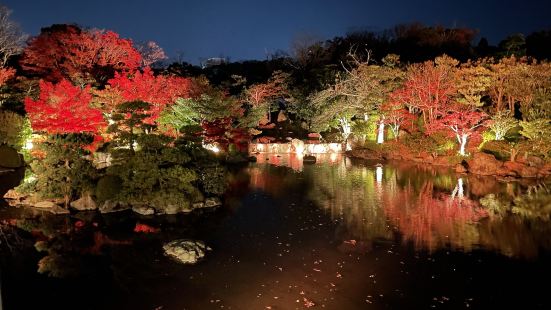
(461, 121)
(366, 87)
(332, 112)
(82, 56)
(151, 53)
(472, 82)
(395, 115)
(428, 88)
(501, 123)
(178, 116)
(264, 94)
(12, 38)
(159, 91)
(63, 108)
(5, 75)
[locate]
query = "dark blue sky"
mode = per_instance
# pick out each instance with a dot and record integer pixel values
(246, 29)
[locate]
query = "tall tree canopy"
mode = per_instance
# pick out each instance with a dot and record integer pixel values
(81, 56)
(63, 108)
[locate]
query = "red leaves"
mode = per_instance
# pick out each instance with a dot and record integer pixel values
(460, 118)
(66, 51)
(159, 91)
(6, 74)
(63, 108)
(427, 88)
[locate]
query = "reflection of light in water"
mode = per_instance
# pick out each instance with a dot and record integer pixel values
(296, 146)
(295, 161)
(379, 174)
(317, 148)
(458, 189)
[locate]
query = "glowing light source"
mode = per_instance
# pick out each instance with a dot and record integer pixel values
(212, 147)
(29, 144)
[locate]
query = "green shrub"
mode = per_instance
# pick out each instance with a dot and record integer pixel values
(15, 129)
(108, 187)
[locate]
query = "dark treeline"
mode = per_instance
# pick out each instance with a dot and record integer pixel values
(314, 63)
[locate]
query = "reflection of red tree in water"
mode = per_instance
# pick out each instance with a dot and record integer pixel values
(434, 220)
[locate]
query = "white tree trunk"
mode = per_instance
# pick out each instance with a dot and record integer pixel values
(345, 127)
(381, 132)
(462, 143)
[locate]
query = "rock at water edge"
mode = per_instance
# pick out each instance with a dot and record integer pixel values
(186, 251)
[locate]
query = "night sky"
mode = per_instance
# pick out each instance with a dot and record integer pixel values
(247, 29)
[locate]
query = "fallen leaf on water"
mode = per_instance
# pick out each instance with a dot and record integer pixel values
(308, 303)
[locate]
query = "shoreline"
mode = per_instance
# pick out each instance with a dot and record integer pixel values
(479, 163)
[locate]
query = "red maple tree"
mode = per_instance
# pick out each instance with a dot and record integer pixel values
(66, 51)
(6, 74)
(428, 88)
(63, 108)
(159, 91)
(461, 121)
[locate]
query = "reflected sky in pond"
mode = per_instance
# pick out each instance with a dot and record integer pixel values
(341, 234)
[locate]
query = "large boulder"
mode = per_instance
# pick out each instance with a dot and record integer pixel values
(44, 204)
(51, 207)
(110, 206)
(484, 164)
(532, 161)
(85, 203)
(12, 194)
(521, 170)
(9, 158)
(186, 251)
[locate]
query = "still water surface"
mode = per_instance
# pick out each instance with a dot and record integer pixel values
(338, 234)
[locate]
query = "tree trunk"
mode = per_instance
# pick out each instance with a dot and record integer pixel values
(514, 153)
(381, 132)
(66, 197)
(462, 144)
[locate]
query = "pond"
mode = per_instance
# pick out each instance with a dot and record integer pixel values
(338, 234)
